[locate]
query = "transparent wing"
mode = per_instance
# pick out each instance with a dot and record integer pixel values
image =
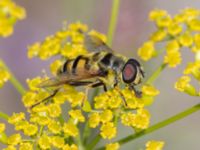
(67, 78)
(95, 44)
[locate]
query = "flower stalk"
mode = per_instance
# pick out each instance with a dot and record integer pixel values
(18, 86)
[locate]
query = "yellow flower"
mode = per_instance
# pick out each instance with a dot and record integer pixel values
(164, 22)
(30, 130)
(10, 147)
(98, 35)
(174, 29)
(127, 118)
(108, 130)
(29, 98)
(34, 83)
(193, 68)
(2, 127)
(72, 147)
(33, 50)
(41, 119)
(141, 119)
(44, 142)
(4, 77)
(157, 14)
(147, 51)
(57, 141)
(54, 110)
(55, 66)
(183, 85)
(154, 145)
(78, 27)
(172, 46)
(14, 139)
(76, 98)
(197, 40)
(106, 116)
(191, 13)
(149, 90)
(10, 14)
(70, 129)
(101, 101)
(186, 39)
(159, 35)
(77, 115)
(94, 120)
(54, 127)
(112, 146)
(26, 146)
(194, 24)
(180, 18)
(16, 117)
(173, 58)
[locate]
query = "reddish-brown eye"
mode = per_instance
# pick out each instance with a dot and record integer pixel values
(129, 72)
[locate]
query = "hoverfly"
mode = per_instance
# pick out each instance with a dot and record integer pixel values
(100, 67)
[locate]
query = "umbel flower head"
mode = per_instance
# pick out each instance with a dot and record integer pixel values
(177, 33)
(55, 123)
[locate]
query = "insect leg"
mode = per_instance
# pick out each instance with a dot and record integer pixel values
(138, 94)
(44, 100)
(92, 85)
(121, 94)
(100, 83)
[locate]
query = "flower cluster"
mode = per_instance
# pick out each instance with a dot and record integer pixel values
(176, 33)
(50, 126)
(10, 13)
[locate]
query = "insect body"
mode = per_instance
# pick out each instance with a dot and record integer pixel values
(100, 67)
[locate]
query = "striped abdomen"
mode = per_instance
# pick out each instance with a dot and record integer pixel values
(72, 65)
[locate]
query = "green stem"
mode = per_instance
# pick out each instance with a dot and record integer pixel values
(13, 79)
(113, 21)
(94, 142)
(79, 142)
(159, 125)
(156, 73)
(4, 116)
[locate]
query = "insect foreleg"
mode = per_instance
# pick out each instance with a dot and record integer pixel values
(138, 94)
(121, 94)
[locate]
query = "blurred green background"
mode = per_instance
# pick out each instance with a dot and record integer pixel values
(45, 17)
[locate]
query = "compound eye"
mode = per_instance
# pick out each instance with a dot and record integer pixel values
(129, 73)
